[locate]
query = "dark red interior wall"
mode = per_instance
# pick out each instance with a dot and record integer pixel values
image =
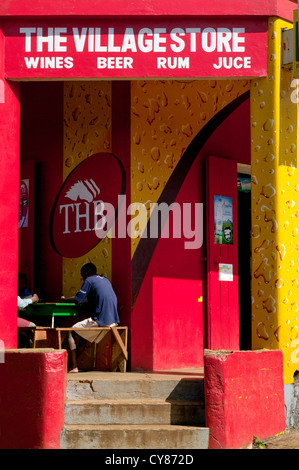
(42, 141)
(230, 139)
(121, 247)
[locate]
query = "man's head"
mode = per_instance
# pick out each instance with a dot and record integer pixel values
(89, 269)
(22, 283)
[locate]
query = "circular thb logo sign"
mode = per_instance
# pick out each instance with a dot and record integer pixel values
(87, 205)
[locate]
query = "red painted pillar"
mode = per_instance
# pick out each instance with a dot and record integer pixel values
(32, 397)
(9, 202)
(244, 397)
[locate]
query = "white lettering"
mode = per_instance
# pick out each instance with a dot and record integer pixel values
(145, 45)
(97, 46)
(129, 41)
(54, 39)
(2, 352)
(111, 63)
(162, 217)
(40, 40)
(27, 32)
(197, 233)
(121, 219)
(48, 62)
(91, 39)
(79, 39)
(237, 40)
(101, 63)
(138, 223)
(114, 62)
(145, 40)
(227, 62)
(128, 61)
(158, 40)
(58, 39)
(31, 62)
(173, 62)
(180, 42)
(68, 62)
(247, 62)
(294, 357)
(223, 37)
(233, 62)
(159, 221)
(99, 208)
(161, 63)
(66, 216)
(82, 216)
(238, 62)
(111, 46)
(193, 32)
(209, 39)
(294, 94)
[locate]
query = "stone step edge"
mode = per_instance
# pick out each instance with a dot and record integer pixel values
(133, 401)
(84, 376)
(132, 427)
(167, 383)
(134, 437)
(131, 376)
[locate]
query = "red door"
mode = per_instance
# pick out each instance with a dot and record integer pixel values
(222, 255)
(177, 323)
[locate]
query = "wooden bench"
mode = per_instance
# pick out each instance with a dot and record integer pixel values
(116, 343)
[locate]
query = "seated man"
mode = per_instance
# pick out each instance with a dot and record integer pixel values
(22, 286)
(101, 305)
(22, 304)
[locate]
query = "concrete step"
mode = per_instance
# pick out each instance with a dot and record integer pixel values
(134, 385)
(134, 411)
(134, 437)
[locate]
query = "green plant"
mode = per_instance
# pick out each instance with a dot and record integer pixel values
(257, 443)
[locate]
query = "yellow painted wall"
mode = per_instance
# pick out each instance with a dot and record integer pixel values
(165, 117)
(275, 208)
(87, 130)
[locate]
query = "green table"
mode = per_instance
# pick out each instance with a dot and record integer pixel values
(51, 309)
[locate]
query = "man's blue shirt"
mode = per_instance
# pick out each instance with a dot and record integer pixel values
(101, 298)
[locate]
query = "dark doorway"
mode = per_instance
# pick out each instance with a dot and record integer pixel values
(244, 260)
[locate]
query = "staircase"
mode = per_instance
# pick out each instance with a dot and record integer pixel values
(107, 410)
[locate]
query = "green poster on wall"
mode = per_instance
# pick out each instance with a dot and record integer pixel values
(223, 220)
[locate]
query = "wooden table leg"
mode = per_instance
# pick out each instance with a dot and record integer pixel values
(123, 347)
(120, 342)
(59, 339)
(34, 338)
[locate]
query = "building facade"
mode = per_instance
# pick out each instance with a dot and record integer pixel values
(159, 143)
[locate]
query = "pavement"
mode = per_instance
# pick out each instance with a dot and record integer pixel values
(287, 440)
